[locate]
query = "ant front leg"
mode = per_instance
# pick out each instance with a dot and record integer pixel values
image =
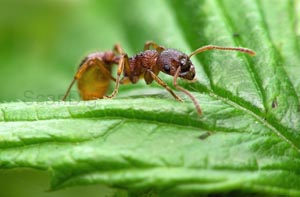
(185, 91)
(123, 63)
(163, 84)
(155, 46)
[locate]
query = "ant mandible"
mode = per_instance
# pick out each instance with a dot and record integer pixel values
(94, 72)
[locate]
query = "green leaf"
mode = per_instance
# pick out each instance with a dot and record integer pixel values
(247, 139)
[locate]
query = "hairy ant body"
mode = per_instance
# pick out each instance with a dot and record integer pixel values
(94, 73)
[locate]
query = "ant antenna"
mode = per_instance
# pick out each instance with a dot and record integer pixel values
(212, 47)
(185, 91)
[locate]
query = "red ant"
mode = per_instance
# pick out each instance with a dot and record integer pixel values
(94, 73)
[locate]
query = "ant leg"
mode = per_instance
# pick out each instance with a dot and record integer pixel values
(118, 49)
(88, 62)
(185, 91)
(69, 89)
(82, 68)
(124, 62)
(163, 84)
(155, 46)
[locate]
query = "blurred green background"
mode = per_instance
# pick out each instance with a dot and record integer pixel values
(41, 44)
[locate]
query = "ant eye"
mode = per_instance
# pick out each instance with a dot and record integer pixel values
(166, 68)
(184, 65)
(183, 62)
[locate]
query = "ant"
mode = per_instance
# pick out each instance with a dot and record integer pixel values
(94, 72)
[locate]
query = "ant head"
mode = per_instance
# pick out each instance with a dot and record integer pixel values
(169, 60)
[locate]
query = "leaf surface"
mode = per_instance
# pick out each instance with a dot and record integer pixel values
(247, 139)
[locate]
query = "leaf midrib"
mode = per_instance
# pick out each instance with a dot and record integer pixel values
(257, 117)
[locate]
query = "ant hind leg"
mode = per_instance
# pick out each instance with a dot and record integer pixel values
(95, 60)
(118, 49)
(124, 62)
